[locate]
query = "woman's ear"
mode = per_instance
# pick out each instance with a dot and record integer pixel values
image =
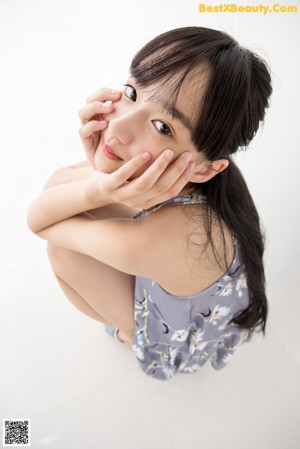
(206, 170)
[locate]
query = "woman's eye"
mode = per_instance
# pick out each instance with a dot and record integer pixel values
(162, 127)
(130, 92)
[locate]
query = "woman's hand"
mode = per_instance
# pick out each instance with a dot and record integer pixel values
(161, 181)
(164, 179)
(92, 118)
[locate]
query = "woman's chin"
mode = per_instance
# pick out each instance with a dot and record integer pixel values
(98, 161)
(101, 164)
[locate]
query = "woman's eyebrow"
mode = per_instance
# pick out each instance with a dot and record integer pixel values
(174, 113)
(171, 110)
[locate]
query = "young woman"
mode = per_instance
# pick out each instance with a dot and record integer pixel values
(155, 233)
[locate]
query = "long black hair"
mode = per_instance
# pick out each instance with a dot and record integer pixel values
(235, 100)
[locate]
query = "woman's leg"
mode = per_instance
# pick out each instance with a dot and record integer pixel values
(79, 302)
(108, 293)
(97, 290)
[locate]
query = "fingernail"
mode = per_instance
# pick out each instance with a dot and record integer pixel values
(187, 157)
(191, 166)
(145, 156)
(169, 154)
(114, 92)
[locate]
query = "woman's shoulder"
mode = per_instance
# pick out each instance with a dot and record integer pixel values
(179, 256)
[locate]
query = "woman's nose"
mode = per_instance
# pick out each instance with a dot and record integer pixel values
(124, 126)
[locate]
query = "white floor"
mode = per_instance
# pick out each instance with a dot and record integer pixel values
(79, 387)
(83, 389)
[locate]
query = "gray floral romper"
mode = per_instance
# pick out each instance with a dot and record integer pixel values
(178, 334)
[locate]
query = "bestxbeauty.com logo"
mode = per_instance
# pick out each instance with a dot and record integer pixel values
(234, 7)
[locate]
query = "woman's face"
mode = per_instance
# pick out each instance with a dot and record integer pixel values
(139, 124)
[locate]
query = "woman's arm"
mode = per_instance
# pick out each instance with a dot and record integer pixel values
(160, 182)
(78, 172)
(58, 203)
(71, 191)
(117, 242)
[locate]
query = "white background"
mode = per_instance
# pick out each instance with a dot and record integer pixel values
(53, 54)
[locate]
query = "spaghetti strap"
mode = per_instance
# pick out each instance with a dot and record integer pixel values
(194, 198)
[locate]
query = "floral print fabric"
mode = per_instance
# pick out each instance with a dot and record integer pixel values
(179, 334)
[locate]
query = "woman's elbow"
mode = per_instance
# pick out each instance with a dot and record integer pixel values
(32, 221)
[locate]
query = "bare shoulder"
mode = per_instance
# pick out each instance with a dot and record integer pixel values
(178, 255)
(72, 173)
(81, 164)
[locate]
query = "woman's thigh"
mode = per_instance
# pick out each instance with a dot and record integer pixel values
(107, 290)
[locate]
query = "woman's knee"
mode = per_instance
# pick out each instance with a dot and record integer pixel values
(64, 261)
(52, 250)
(56, 255)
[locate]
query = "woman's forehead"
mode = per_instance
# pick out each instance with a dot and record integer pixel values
(190, 95)
(192, 91)
(180, 98)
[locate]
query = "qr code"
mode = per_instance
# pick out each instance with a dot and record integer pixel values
(16, 432)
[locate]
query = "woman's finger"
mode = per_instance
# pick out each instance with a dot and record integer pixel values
(104, 94)
(174, 190)
(160, 176)
(123, 174)
(94, 111)
(171, 174)
(145, 182)
(87, 130)
(160, 182)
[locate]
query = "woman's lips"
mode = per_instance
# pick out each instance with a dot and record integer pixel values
(109, 153)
